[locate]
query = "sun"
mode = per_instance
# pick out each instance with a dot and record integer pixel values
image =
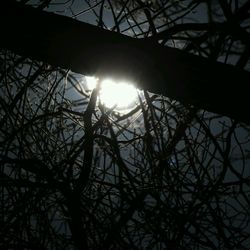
(120, 96)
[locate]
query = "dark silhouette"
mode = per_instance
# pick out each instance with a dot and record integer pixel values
(87, 49)
(165, 174)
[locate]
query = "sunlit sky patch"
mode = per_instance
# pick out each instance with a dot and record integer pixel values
(120, 96)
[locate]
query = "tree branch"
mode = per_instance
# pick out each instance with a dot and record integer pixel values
(87, 49)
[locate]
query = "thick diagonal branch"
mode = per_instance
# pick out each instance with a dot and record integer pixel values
(87, 49)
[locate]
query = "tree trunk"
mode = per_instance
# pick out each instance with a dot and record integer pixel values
(79, 234)
(87, 49)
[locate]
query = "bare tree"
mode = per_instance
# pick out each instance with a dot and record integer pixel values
(88, 49)
(163, 175)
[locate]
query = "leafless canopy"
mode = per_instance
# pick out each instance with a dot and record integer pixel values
(77, 175)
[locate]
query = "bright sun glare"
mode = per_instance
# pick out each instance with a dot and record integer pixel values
(120, 96)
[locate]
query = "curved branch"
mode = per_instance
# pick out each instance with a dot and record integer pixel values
(90, 50)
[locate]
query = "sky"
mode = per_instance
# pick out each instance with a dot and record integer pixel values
(200, 144)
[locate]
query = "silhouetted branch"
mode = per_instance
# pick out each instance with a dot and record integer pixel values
(90, 50)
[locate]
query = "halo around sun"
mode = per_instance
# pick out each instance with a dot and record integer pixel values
(119, 96)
